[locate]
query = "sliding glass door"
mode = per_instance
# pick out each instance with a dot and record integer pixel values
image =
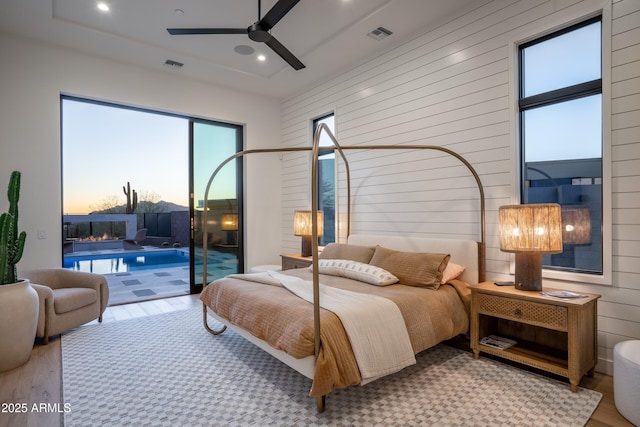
(211, 144)
(133, 184)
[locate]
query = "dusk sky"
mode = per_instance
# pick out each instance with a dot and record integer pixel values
(104, 147)
(571, 129)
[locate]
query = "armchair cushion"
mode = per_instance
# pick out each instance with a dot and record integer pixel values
(68, 299)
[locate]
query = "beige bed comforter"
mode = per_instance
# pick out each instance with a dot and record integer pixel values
(285, 321)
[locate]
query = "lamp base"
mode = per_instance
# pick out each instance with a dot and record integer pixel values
(528, 271)
(232, 237)
(306, 246)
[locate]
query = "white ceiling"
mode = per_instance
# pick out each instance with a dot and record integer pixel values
(328, 36)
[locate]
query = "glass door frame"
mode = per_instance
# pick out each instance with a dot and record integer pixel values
(194, 287)
(239, 146)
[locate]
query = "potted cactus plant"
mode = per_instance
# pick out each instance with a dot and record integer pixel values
(18, 300)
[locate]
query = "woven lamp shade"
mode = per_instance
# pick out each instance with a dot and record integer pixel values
(576, 225)
(302, 227)
(531, 228)
(530, 231)
(302, 223)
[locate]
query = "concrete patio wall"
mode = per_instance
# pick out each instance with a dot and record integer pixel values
(131, 221)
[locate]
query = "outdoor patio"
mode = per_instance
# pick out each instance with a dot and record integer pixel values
(137, 286)
(153, 283)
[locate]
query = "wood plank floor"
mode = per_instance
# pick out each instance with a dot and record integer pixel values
(39, 381)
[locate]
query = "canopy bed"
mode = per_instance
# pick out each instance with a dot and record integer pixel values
(364, 308)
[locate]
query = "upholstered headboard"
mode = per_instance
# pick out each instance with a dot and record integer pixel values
(463, 252)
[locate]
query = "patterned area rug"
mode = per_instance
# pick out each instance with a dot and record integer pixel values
(166, 370)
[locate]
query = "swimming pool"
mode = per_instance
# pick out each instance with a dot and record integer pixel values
(126, 262)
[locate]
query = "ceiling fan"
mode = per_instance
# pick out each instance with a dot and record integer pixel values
(258, 31)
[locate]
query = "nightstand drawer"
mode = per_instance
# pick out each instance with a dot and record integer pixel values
(545, 315)
(290, 262)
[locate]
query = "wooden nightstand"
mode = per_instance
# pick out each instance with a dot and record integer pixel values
(555, 335)
(292, 261)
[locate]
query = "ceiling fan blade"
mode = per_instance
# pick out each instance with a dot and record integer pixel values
(284, 53)
(275, 14)
(188, 31)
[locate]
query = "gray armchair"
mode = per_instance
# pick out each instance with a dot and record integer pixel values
(68, 299)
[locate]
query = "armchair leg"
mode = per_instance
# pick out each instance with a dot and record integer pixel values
(45, 339)
(100, 319)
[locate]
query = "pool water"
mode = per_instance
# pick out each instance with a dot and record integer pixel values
(131, 261)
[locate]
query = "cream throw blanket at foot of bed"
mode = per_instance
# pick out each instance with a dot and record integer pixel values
(374, 324)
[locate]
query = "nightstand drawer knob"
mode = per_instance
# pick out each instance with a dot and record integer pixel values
(517, 312)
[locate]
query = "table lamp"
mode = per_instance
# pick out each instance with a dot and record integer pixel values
(302, 227)
(529, 231)
(576, 225)
(229, 223)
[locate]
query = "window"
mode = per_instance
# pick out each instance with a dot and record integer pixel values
(560, 106)
(326, 180)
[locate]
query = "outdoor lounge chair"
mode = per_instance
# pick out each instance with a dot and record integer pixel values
(136, 242)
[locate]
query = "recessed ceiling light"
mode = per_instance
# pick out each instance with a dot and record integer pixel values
(262, 58)
(103, 7)
(179, 12)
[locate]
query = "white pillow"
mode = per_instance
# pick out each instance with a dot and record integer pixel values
(356, 270)
(452, 271)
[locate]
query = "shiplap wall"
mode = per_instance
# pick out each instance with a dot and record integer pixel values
(454, 87)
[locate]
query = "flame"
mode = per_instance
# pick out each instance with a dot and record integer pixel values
(93, 238)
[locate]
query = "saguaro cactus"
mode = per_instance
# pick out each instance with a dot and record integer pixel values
(11, 242)
(132, 198)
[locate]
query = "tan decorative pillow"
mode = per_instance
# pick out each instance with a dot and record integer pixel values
(348, 252)
(356, 270)
(453, 271)
(412, 268)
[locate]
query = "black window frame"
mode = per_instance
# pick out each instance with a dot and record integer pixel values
(554, 97)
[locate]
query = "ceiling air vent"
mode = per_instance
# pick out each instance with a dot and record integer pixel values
(379, 33)
(173, 64)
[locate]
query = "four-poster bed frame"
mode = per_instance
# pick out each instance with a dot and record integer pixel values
(314, 149)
